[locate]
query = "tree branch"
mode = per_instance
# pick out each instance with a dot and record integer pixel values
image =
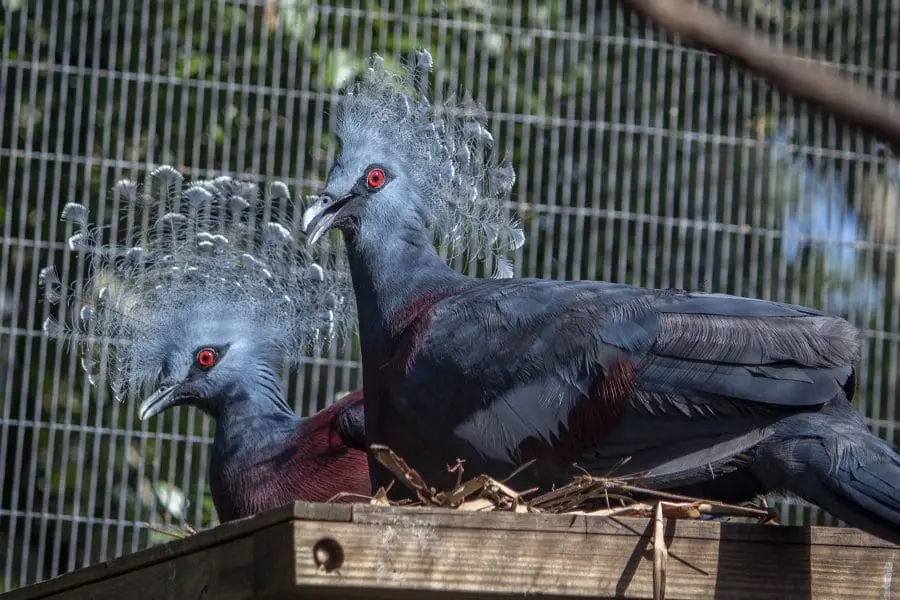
(820, 85)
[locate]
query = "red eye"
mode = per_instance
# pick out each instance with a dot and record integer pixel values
(206, 358)
(375, 179)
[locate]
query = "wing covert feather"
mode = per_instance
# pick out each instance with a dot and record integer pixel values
(568, 366)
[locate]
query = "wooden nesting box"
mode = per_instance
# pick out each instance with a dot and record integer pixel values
(362, 551)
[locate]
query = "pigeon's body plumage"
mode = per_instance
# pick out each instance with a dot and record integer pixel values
(715, 395)
(209, 295)
(266, 461)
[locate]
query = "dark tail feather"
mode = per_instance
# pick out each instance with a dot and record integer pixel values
(849, 497)
(845, 470)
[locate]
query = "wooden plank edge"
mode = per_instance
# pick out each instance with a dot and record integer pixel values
(176, 548)
(449, 518)
(624, 526)
(412, 557)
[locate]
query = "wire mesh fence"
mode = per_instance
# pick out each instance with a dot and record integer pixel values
(639, 160)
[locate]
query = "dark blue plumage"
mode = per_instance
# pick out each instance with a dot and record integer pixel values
(214, 293)
(263, 461)
(264, 455)
(709, 394)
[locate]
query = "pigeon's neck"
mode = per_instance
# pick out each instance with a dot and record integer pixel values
(263, 459)
(396, 272)
(250, 417)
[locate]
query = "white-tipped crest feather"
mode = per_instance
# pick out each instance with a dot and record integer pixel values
(447, 151)
(206, 256)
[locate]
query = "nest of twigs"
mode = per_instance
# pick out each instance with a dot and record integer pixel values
(585, 495)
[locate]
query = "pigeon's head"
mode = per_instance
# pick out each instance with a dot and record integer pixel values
(211, 363)
(210, 293)
(366, 185)
(404, 161)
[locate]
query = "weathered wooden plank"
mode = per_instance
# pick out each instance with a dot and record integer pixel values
(224, 571)
(426, 551)
(375, 552)
(190, 545)
(274, 558)
(836, 536)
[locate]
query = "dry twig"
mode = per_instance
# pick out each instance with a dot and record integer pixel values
(179, 533)
(582, 495)
(660, 554)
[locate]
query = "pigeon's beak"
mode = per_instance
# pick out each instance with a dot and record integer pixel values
(321, 214)
(159, 401)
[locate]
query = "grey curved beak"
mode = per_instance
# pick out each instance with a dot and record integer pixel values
(159, 401)
(320, 215)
